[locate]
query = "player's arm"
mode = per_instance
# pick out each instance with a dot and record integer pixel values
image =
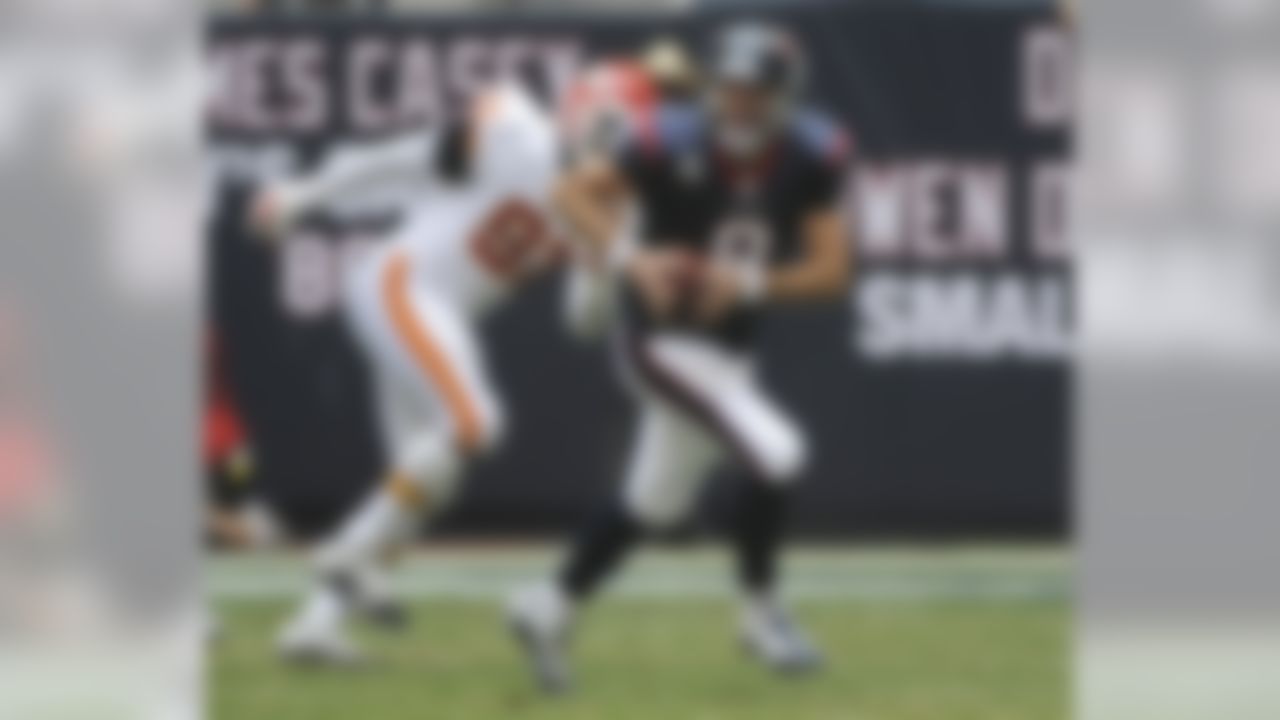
(393, 163)
(587, 199)
(823, 270)
(591, 198)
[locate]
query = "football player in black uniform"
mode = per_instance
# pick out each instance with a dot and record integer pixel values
(735, 199)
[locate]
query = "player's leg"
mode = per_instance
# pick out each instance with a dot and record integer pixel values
(772, 451)
(715, 386)
(347, 580)
(668, 459)
(436, 410)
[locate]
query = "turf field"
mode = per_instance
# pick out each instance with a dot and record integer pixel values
(968, 634)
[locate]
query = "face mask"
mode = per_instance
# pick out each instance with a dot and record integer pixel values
(742, 140)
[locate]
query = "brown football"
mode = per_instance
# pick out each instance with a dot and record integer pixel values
(689, 279)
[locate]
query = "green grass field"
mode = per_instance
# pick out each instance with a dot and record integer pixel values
(964, 635)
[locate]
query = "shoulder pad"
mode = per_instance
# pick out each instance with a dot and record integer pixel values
(673, 129)
(821, 136)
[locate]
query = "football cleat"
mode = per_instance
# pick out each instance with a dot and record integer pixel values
(539, 618)
(771, 634)
(371, 594)
(366, 590)
(310, 643)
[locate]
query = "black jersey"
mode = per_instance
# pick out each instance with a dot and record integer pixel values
(691, 195)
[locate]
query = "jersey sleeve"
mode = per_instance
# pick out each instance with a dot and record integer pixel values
(653, 137)
(830, 151)
(388, 163)
(635, 154)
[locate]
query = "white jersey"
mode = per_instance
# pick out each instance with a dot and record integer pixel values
(475, 240)
(472, 239)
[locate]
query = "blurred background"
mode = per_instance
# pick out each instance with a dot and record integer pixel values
(107, 345)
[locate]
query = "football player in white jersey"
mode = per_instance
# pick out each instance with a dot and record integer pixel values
(476, 227)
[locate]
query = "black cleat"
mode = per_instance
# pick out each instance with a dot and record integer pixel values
(366, 592)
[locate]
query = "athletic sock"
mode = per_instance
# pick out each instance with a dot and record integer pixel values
(380, 525)
(757, 538)
(600, 548)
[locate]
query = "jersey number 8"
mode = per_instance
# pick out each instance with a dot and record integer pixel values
(742, 241)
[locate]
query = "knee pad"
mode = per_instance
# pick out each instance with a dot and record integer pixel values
(655, 510)
(431, 461)
(782, 456)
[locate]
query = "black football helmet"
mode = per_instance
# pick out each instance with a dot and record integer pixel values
(756, 72)
(758, 54)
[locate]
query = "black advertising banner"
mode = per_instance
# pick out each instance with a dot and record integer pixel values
(936, 395)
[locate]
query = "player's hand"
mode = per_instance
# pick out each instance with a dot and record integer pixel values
(724, 287)
(268, 218)
(659, 276)
(719, 292)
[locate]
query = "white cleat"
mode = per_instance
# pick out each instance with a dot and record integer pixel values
(540, 617)
(770, 634)
(306, 646)
(316, 637)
